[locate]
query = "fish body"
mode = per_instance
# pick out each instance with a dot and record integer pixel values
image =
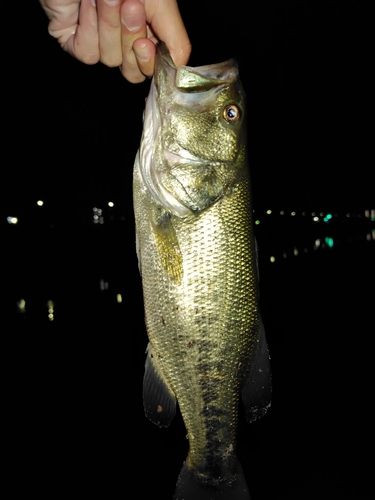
(197, 257)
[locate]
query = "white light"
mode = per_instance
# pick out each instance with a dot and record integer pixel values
(51, 306)
(119, 298)
(317, 244)
(103, 285)
(40, 203)
(272, 258)
(21, 305)
(12, 220)
(316, 219)
(282, 212)
(293, 214)
(295, 251)
(111, 204)
(269, 212)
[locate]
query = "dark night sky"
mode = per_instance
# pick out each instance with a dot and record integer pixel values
(73, 130)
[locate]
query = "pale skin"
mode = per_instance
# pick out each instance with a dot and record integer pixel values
(119, 32)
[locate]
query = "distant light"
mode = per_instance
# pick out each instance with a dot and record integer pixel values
(317, 244)
(97, 216)
(316, 219)
(295, 251)
(313, 214)
(327, 217)
(103, 285)
(12, 220)
(21, 304)
(51, 306)
(321, 214)
(40, 203)
(303, 213)
(111, 204)
(348, 215)
(119, 298)
(329, 241)
(285, 255)
(282, 212)
(272, 258)
(269, 212)
(257, 222)
(293, 214)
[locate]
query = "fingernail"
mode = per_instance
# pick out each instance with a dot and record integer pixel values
(134, 23)
(93, 3)
(112, 2)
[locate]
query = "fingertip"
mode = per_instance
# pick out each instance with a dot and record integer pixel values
(144, 51)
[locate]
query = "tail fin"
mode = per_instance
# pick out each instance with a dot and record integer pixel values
(190, 487)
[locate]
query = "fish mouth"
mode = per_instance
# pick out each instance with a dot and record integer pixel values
(200, 78)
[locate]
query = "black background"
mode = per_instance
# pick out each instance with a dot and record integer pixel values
(72, 396)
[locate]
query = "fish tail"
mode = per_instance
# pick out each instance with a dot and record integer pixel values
(191, 487)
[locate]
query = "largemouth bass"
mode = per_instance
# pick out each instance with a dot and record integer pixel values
(197, 258)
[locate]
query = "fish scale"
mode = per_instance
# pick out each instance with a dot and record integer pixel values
(199, 283)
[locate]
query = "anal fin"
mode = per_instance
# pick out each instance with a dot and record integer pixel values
(159, 402)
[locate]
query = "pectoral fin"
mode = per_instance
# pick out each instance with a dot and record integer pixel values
(167, 245)
(257, 388)
(159, 402)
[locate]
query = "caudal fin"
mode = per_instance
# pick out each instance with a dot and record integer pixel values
(190, 487)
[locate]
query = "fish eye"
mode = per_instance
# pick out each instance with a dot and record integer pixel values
(231, 113)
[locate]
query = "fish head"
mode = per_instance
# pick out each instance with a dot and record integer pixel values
(193, 144)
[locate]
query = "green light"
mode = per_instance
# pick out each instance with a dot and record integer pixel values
(257, 222)
(327, 217)
(329, 241)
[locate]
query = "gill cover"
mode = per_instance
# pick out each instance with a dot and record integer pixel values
(192, 135)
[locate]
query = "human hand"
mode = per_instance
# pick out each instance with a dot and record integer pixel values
(119, 32)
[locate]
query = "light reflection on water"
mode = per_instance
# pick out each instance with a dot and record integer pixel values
(283, 236)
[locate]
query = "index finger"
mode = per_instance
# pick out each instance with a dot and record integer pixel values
(165, 20)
